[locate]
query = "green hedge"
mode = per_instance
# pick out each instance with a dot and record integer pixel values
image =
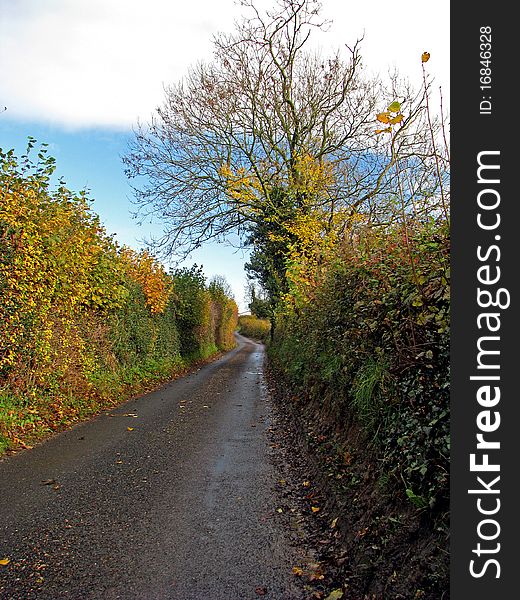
(372, 344)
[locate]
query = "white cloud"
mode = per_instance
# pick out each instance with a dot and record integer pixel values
(85, 63)
(98, 62)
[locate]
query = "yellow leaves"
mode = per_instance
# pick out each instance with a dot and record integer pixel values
(242, 187)
(129, 428)
(315, 509)
(389, 118)
(425, 57)
(310, 176)
(55, 259)
(333, 523)
(298, 571)
(4, 562)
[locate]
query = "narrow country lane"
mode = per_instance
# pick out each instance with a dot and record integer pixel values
(180, 506)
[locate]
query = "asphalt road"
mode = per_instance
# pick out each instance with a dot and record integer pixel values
(180, 507)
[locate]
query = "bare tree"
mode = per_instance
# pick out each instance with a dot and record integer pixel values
(249, 116)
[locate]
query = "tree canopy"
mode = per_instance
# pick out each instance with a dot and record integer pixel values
(267, 113)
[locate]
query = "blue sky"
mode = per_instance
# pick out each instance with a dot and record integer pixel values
(78, 74)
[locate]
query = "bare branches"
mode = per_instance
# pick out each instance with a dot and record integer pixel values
(261, 104)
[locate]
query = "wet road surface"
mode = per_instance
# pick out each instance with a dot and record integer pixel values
(180, 507)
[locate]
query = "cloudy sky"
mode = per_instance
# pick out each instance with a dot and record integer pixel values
(77, 74)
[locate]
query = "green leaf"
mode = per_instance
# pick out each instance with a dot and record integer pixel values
(394, 107)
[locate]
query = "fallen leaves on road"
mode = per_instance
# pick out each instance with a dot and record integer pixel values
(316, 575)
(4, 562)
(315, 509)
(334, 522)
(313, 571)
(335, 595)
(53, 482)
(130, 428)
(261, 591)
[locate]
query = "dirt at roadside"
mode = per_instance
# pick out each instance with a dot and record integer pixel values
(363, 538)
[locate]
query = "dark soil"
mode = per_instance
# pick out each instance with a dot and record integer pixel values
(367, 539)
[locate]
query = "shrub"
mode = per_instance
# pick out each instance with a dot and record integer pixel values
(82, 321)
(370, 332)
(253, 327)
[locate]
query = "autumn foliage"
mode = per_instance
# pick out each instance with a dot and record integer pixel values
(253, 327)
(83, 320)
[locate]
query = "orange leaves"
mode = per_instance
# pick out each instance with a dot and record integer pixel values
(149, 273)
(392, 116)
(383, 117)
(425, 57)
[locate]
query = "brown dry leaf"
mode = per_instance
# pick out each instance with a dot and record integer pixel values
(425, 57)
(261, 591)
(4, 562)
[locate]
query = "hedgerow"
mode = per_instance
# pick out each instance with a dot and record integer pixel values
(253, 327)
(83, 321)
(367, 337)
